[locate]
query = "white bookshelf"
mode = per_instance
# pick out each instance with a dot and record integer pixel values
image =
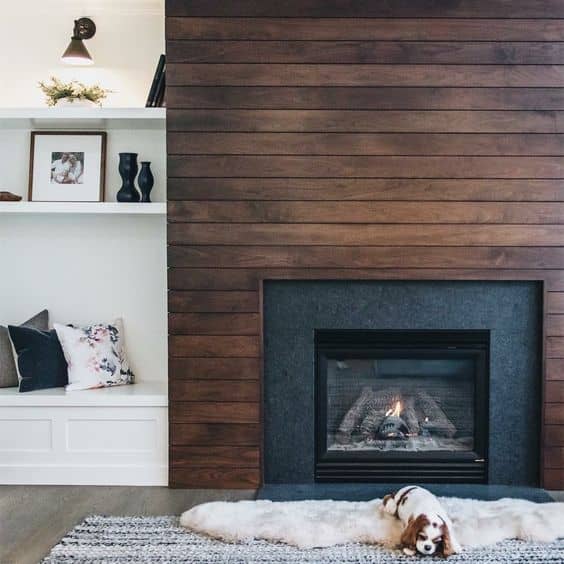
(90, 208)
(80, 118)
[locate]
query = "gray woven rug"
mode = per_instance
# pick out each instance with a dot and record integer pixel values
(159, 539)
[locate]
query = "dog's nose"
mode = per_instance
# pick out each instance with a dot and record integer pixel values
(427, 547)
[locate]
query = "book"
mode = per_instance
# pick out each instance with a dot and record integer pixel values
(161, 86)
(151, 98)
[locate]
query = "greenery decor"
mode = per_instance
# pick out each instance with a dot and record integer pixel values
(72, 91)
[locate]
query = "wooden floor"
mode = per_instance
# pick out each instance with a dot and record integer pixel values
(34, 518)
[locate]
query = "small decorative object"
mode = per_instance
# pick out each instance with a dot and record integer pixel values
(9, 197)
(67, 166)
(145, 181)
(77, 53)
(128, 171)
(95, 355)
(76, 93)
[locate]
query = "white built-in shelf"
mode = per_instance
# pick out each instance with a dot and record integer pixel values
(116, 208)
(81, 118)
(152, 394)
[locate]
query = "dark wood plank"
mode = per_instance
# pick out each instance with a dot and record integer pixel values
(277, 166)
(214, 324)
(235, 74)
(486, 258)
(554, 457)
(364, 98)
(395, 144)
(554, 391)
(213, 345)
(213, 279)
(555, 326)
(215, 434)
(554, 366)
(554, 413)
(376, 189)
(554, 435)
(215, 412)
(553, 479)
(555, 302)
(214, 391)
(366, 212)
(368, 8)
(196, 278)
(214, 368)
(366, 52)
(366, 121)
(212, 302)
(385, 29)
(555, 347)
(215, 477)
(232, 457)
(353, 235)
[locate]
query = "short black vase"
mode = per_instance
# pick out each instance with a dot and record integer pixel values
(128, 171)
(145, 181)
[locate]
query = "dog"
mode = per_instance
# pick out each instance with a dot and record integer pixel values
(428, 529)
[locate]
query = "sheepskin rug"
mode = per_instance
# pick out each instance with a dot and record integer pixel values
(316, 524)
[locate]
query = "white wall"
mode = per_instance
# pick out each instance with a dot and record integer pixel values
(86, 269)
(125, 49)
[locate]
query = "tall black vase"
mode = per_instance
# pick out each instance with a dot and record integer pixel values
(145, 181)
(128, 171)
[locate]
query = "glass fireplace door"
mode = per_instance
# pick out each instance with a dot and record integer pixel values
(401, 405)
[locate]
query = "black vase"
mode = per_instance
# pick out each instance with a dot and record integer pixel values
(145, 181)
(128, 171)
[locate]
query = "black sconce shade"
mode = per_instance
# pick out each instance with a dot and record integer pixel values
(77, 53)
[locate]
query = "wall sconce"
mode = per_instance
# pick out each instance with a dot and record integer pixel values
(77, 53)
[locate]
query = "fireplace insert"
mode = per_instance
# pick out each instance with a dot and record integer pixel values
(397, 406)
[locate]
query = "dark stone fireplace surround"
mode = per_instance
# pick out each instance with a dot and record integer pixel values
(510, 310)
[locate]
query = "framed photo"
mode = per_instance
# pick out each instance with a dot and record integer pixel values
(67, 166)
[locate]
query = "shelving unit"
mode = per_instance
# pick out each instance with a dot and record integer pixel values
(87, 262)
(79, 118)
(110, 208)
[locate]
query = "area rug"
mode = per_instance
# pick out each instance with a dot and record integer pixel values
(159, 540)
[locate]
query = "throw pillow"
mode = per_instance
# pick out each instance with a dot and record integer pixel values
(8, 371)
(40, 360)
(95, 355)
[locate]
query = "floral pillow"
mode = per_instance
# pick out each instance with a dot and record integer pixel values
(95, 355)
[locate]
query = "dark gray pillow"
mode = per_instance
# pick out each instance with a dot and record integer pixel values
(8, 372)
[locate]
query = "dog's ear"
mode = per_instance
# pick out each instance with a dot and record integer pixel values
(413, 528)
(447, 548)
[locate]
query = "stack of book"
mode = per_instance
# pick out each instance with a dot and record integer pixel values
(156, 96)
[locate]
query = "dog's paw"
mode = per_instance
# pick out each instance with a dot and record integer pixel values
(409, 551)
(389, 504)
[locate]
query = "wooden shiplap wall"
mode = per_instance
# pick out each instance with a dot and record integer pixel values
(406, 139)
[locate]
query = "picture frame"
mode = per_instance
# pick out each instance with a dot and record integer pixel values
(67, 166)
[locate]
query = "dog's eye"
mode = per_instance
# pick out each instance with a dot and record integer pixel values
(422, 536)
(438, 540)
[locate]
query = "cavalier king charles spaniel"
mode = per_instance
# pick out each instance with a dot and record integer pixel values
(428, 529)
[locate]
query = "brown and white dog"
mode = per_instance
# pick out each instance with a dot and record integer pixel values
(428, 529)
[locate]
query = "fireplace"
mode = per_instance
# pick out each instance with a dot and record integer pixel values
(465, 354)
(401, 405)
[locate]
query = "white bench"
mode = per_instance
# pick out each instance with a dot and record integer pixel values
(109, 436)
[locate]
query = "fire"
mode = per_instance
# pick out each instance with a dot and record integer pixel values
(395, 412)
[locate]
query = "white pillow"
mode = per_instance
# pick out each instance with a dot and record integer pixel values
(95, 355)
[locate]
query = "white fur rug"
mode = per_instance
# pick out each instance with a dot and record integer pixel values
(315, 524)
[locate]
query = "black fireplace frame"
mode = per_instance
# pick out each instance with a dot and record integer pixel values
(422, 467)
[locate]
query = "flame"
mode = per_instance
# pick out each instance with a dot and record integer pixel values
(395, 412)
